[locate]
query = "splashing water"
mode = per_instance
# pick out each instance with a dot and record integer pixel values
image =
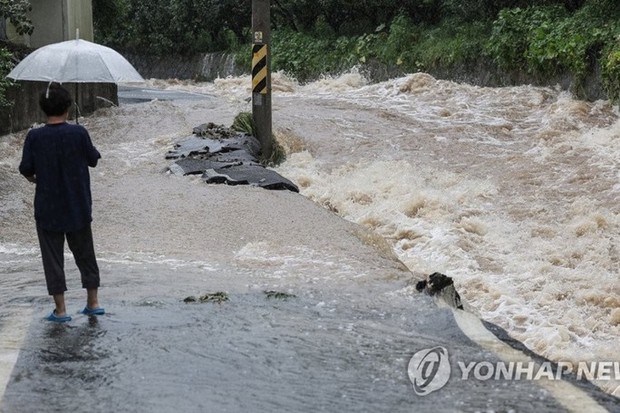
(514, 192)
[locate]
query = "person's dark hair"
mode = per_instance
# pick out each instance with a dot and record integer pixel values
(55, 100)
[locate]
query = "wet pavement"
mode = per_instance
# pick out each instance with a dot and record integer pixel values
(312, 350)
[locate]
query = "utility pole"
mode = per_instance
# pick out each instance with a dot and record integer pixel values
(261, 74)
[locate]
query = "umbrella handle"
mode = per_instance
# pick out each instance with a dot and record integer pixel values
(77, 106)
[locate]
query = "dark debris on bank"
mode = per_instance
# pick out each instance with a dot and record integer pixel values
(224, 156)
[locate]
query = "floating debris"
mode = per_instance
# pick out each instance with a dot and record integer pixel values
(217, 297)
(278, 295)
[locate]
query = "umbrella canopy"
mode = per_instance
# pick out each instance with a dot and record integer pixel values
(75, 61)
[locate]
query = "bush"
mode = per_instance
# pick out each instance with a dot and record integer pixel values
(306, 56)
(244, 122)
(611, 72)
(512, 32)
(404, 44)
(6, 64)
(549, 40)
(395, 46)
(451, 42)
(16, 11)
(573, 43)
(314, 38)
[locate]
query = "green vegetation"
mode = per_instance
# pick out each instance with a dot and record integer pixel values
(404, 44)
(162, 27)
(312, 38)
(611, 71)
(548, 39)
(6, 64)
(16, 11)
(278, 154)
(244, 122)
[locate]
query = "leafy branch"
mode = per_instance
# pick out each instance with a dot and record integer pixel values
(16, 11)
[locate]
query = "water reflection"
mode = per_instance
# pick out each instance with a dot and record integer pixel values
(70, 343)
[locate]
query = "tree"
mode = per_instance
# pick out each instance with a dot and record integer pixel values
(299, 15)
(16, 12)
(489, 9)
(171, 26)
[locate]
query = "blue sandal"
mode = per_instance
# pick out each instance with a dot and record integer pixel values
(93, 311)
(58, 319)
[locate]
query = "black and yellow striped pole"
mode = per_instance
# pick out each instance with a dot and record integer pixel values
(261, 74)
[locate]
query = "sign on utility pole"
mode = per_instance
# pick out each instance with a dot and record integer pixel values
(261, 74)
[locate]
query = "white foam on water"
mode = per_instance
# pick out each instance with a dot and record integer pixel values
(17, 250)
(534, 250)
(299, 262)
(328, 85)
(137, 258)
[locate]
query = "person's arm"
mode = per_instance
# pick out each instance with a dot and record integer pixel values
(26, 166)
(92, 154)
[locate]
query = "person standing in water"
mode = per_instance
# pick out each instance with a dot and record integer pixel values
(56, 158)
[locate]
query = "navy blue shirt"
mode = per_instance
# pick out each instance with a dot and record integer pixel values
(59, 156)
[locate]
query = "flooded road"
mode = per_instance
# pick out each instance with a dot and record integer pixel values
(512, 192)
(320, 350)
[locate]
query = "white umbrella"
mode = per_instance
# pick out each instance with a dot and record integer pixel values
(75, 61)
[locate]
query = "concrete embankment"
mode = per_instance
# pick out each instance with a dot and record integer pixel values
(25, 97)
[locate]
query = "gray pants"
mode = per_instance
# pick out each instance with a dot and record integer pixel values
(52, 251)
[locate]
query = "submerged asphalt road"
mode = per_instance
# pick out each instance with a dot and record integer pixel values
(307, 353)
